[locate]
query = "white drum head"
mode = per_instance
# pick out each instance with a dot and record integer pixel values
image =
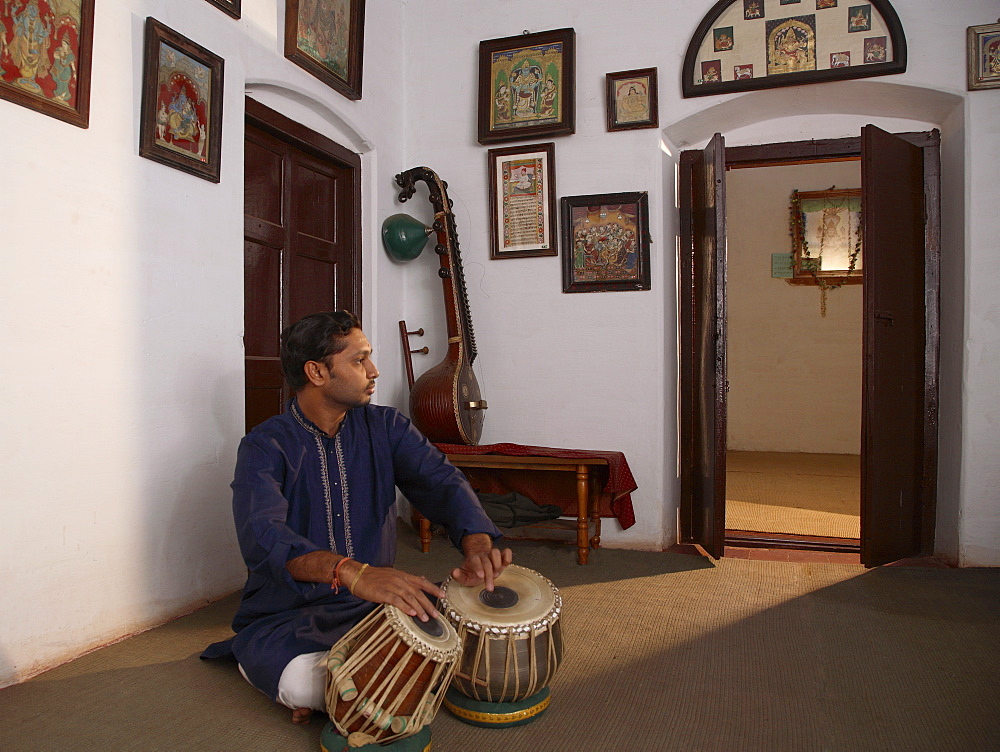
(435, 636)
(520, 596)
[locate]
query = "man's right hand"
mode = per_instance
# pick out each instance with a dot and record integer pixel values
(405, 591)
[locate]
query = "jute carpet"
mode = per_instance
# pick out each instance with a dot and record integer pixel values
(663, 652)
(801, 494)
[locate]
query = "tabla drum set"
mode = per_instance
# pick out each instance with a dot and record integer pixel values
(498, 650)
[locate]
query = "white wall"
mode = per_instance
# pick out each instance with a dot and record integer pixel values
(122, 289)
(794, 374)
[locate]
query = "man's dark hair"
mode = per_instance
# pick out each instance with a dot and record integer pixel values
(317, 336)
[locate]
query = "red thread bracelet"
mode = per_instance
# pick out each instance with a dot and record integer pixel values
(336, 584)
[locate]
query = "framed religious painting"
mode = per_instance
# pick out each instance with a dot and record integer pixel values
(631, 99)
(326, 38)
(181, 120)
(232, 7)
(826, 237)
(527, 86)
(523, 201)
(984, 56)
(742, 45)
(45, 55)
(605, 242)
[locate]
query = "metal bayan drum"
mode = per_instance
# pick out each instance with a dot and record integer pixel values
(388, 675)
(511, 637)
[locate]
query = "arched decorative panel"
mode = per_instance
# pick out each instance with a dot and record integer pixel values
(761, 44)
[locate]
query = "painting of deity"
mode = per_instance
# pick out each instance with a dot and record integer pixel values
(791, 45)
(723, 38)
(742, 71)
(325, 37)
(605, 243)
(859, 18)
(182, 103)
(632, 99)
(45, 50)
(823, 4)
(711, 71)
(753, 9)
(983, 56)
(875, 50)
(526, 86)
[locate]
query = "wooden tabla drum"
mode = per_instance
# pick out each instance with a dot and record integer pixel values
(511, 637)
(388, 675)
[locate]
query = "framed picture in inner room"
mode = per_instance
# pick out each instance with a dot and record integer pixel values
(326, 38)
(181, 120)
(631, 99)
(984, 56)
(45, 54)
(605, 242)
(523, 201)
(232, 7)
(527, 86)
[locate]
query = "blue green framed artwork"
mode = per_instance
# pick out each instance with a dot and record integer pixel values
(326, 38)
(527, 86)
(45, 54)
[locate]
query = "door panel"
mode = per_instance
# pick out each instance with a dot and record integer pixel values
(300, 204)
(893, 421)
(703, 387)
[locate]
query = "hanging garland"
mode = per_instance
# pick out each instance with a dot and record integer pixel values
(812, 264)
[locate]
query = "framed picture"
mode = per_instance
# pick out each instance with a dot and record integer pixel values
(45, 54)
(527, 86)
(746, 45)
(631, 97)
(605, 242)
(232, 7)
(984, 56)
(523, 201)
(326, 38)
(826, 237)
(181, 120)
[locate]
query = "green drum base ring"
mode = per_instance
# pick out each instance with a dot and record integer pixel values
(496, 714)
(331, 741)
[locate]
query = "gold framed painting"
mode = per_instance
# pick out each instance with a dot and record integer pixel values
(523, 201)
(45, 53)
(984, 56)
(326, 38)
(527, 86)
(181, 120)
(631, 99)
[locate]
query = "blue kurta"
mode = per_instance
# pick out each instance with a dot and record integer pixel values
(297, 490)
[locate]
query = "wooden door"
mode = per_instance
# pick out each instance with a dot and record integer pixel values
(894, 415)
(301, 238)
(703, 343)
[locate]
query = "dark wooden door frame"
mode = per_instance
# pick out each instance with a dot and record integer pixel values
(824, 150)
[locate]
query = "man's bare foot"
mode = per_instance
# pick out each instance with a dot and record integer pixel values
(301, 715)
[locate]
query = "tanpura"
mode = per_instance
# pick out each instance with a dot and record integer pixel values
(445, 402)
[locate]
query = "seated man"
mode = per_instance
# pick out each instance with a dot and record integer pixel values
(314, 503)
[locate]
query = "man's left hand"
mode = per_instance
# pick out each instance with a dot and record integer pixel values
(483, 562)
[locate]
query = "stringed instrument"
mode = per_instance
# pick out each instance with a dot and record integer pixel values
(445, 402)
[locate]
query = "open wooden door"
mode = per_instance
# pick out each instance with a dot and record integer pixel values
(895, 501)
(703, 376)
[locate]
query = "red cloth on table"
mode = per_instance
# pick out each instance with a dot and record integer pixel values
(616, 499)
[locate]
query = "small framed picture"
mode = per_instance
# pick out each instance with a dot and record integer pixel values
(631, 99)
(605, 242)
(326, 38)
(45, 53)
(523, 201)
(232, 7)
(984, 56)
(181, 120)
(527, 86)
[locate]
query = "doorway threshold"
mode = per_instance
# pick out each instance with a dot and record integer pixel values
(788, 541)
